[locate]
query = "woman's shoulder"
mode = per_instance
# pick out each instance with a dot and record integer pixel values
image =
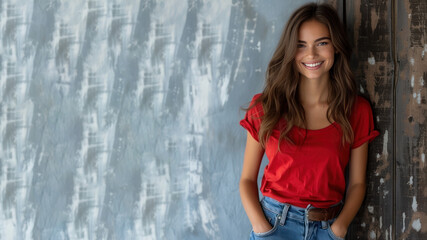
(361, 108)
(361, 104)
(255, 100)
(256, 96)
(255, 107)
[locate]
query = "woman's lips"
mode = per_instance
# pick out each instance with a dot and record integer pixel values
(312, 66)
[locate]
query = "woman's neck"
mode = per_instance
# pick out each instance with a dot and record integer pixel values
(313, 92)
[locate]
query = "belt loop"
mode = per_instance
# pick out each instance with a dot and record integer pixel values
(324, 224)
(284, 214)
(306, 223)
(307, 209)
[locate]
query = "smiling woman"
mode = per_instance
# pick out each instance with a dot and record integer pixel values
(311, 124)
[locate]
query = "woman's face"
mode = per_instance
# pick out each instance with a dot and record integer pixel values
(315, 53)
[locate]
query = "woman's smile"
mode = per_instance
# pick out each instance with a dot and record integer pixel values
(313, 66)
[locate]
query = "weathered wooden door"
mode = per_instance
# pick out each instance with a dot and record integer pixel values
(389, 39)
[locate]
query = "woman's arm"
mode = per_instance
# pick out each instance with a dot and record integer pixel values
(249, 187)
(355, 191)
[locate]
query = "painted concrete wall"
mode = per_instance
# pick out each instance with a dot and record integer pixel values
(119, 119)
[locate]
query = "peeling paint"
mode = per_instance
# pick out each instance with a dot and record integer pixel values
(424, 51)
(412, 104)
(414, 204)
(371, 209)
(416, 224)
(383, 158)
(403, 221)
(374, 26)
(372, 235)
(385, 193)
(411, 181)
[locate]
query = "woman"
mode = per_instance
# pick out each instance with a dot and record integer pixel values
(311, 124)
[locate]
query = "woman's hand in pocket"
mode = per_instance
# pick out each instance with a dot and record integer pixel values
(262, 227)
(338, 230)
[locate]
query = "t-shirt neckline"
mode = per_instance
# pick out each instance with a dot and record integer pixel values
(320, 130)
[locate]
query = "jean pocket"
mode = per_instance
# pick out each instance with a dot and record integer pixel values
(332, 234)
(269, 232)
(272, 218)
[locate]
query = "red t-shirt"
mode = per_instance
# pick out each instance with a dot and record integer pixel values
(312, 173)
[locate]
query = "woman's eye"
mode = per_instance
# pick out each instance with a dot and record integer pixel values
(323, 43)
(300, 45)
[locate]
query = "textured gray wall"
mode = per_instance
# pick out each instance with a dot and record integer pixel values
(119, 119)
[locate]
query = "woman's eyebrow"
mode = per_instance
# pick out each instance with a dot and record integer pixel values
(317, 40)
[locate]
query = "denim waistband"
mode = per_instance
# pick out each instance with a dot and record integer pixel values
(294, 212)
(285, 211)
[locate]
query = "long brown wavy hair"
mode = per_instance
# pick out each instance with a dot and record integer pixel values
(280, 96)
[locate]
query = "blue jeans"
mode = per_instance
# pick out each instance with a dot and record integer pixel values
(290, 222)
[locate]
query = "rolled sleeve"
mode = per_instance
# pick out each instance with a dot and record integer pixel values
(363, 123)
(252, 120)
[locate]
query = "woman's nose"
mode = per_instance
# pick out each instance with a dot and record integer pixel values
(311, 51)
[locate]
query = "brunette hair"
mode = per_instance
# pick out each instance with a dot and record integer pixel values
(280, 96)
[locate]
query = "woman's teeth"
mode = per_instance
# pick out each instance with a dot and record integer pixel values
(312, 64)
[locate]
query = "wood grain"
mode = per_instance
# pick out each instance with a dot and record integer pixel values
(370, 29)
